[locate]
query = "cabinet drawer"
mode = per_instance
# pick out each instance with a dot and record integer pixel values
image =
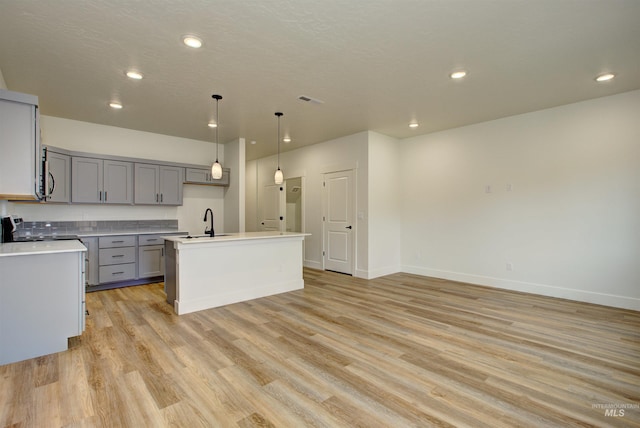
(115, 273)
(150, 240)
(117, 241)
(112, 256)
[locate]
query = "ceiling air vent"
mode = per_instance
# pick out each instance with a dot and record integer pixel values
(310, 100)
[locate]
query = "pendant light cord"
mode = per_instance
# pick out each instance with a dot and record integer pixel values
(217, 98)
(217, 126)
(279, 114)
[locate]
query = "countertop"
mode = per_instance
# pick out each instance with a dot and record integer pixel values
(132, 232)
(230, 237)
(40, 247)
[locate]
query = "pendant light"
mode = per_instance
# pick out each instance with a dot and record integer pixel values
(216, 168)
(279, 178)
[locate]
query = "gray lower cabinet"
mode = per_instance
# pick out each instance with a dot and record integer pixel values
(150, 256)
(91, 261)
(116, 258)
(101, 181)
(130, 259)
(158, 184)
(41, 303)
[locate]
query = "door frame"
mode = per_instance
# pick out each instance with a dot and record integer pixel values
(354, 206)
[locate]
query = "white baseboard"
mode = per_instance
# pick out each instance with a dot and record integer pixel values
(312, 265)
(376, 273)
(623, 302)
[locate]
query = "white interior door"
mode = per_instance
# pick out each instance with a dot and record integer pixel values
(273, 207)
(338, 221)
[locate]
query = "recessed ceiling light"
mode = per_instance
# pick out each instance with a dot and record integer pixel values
(115, 105)
(212, 125)
(605, 77)
(413, 125)
(287, 139)
(458, 74)
(192, 41)
(134, 75)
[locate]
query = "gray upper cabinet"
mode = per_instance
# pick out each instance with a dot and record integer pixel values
(147, 183)
(86, 181)
(158, 184)
(118, 182)
(20, 146)
(171, 179)
(101, 181)
(58, 180)
(203, 176)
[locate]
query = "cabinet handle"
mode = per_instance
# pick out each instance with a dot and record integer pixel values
(117, 273)
(117, 255)
(156, 197)
(154, 239)
(105, 196)
(100, 195)
(117, 242)
(161, 195)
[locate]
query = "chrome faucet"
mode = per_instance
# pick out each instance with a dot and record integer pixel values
(209, 232)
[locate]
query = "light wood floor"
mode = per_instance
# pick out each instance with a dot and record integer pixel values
(402, 350)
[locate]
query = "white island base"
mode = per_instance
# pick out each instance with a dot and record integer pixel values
(203, 273)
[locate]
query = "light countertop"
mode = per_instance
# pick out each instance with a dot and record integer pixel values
(230, 237)
(131, 232)
(40, 247)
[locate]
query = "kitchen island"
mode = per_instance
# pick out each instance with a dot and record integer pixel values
(204, 272)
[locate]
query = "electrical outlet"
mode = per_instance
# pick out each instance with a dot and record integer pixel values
(509, 266)
(487, 188)
(509, 187)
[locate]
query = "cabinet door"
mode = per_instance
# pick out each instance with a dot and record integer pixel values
(197, 176)
(86, 180)
(146, 184)
(59, 177)
(203, 176)
(171, 179)
(91, 262)
(118, 182)
(150, 261)
(19, 141)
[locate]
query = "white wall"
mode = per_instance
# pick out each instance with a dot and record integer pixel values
(312, 162)
(384, 212)
(234, 197)
(251, 196)
(3, 204)
(570, 226)
(109, 140)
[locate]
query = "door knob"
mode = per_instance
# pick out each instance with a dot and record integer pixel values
(348, 227)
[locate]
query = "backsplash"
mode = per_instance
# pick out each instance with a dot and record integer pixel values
(59, 228)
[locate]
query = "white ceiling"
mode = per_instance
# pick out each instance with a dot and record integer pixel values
(376, 64)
